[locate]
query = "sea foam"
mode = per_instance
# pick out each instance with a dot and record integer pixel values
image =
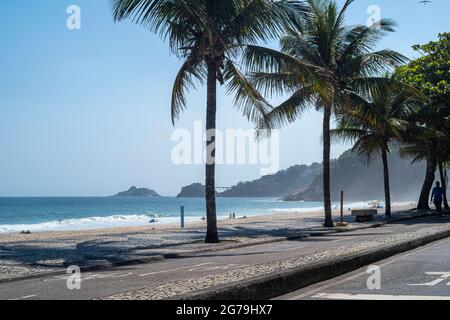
(90, 223)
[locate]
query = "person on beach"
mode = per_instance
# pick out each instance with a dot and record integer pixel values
(437, 196)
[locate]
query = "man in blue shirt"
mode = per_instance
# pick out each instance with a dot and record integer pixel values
(437, 196)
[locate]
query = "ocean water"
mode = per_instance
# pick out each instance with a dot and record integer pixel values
(64, 214)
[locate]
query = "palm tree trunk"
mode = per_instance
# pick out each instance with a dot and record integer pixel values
(387, 186)
(326, 168)
(442, 173)
(428, 183)
(212, 235)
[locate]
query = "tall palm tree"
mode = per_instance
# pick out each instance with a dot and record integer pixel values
(428, 138)
(422, 141)
(376, 120)
(420, 147)
(321, 63)
(444, 182)
(208, 35)
(443, 154)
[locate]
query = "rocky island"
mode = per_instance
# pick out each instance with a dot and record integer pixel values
(195, 190)
(138, 192)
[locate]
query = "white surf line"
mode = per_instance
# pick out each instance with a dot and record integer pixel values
(23, 298)
(313, 291)
(177, 269)
(366, 297)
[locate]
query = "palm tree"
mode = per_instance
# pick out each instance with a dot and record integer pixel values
(444, 150)
(444, 182)
(444, 155)
(376, 120)
(428, 138)
(208, 35)
(422, 141)
(321, 63)
(421, 147)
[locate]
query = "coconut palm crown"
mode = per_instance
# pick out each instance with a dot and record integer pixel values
(322, 63)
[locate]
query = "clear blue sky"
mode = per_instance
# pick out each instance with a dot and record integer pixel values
(87, 112)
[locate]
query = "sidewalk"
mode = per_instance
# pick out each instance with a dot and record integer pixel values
(52, 253)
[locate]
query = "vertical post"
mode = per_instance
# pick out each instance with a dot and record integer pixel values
(182, 216)
(342, 207)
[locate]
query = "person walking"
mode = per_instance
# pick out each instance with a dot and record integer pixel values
(437, 196)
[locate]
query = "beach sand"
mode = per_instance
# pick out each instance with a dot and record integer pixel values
(279, 219)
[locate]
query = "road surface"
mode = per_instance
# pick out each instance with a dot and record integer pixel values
(421, 274)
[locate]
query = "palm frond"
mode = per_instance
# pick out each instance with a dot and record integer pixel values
(289, 110)
(344, 134)
(362, 39)
(247, 98)
(416, 153)
(261, 59)
(190, 71)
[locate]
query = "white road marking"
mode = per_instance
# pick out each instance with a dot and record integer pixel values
(330, 284)
(105, 276)
(177, 269)
(92, 276)
(348, 238)
(443, 276)
(24, 298)
(286, 250)
(56, 278)
(344, 296)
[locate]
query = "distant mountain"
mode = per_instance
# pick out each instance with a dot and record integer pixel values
(277, 185)
(195, 190)
(363, 181)
(360, 180)
(138, 192)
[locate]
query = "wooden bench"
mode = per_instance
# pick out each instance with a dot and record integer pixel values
(364, 215)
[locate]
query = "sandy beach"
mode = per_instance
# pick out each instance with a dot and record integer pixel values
(266, 220)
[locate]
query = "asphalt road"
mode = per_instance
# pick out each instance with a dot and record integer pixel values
(421, 274)
(123, 279)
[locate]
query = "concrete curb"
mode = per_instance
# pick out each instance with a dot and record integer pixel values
(270, 286)
(157, 258)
